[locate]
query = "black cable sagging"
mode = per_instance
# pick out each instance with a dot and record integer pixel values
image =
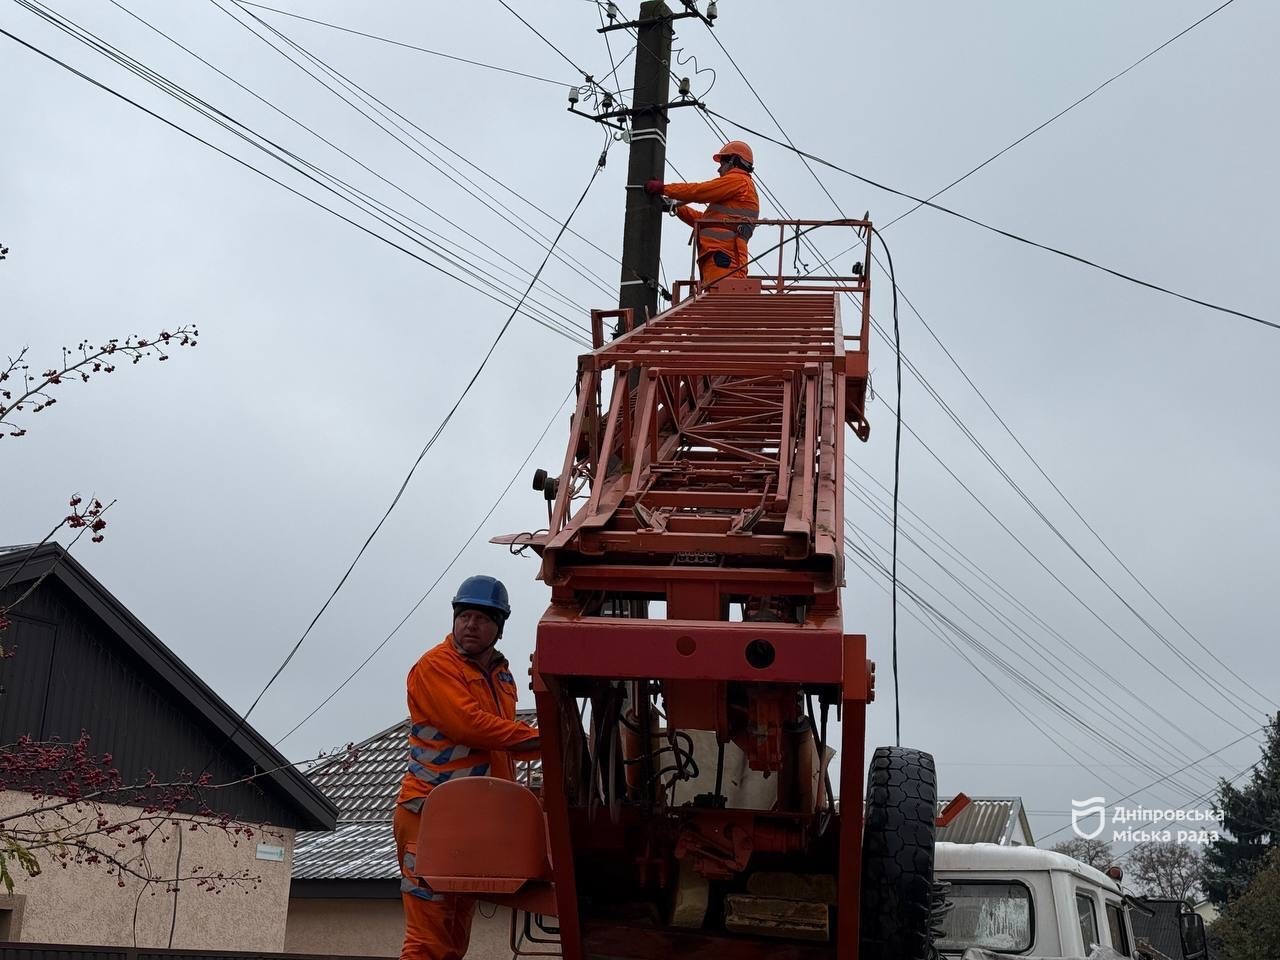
(1085, 261)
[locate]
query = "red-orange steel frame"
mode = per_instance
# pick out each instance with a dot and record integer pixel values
(704, 467)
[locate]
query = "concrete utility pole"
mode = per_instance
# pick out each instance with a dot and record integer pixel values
(642, 231)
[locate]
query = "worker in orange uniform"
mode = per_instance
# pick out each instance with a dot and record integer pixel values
(722, 247)
(462, 709)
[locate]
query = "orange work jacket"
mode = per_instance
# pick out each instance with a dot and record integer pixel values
(731, 196)
(462, 720)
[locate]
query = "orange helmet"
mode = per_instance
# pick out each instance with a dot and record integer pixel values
(735, 148)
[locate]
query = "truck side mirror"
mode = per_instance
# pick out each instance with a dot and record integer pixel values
(1194, 946)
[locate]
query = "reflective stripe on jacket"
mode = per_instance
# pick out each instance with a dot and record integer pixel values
(462, 720)
(731, 196)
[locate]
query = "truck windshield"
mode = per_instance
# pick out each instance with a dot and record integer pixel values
(991, 915)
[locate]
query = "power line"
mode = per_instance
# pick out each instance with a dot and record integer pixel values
(897, 473)
(898, 355)
(541, 36)
(1228, 694)
(1080, 600)
(1073, 716)
(985, 675)
(1063, 112)
(325, 140)
(262, 173)
(1088, 526)
(444, 423)
(279, 153)
(1058, 701)
(496, 207)
(1083, 662)
(515, 193)
(1224, 691)
(1193, 763)
(997, 230)
(515, 310)
(1200, 798)
(432, 440)
(408, 46)
(436, 582)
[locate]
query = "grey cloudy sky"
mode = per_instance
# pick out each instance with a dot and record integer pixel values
(249, 470)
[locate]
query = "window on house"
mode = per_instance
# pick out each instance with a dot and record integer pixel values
(11, 917)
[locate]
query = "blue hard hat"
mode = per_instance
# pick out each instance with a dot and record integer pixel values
(485, 592)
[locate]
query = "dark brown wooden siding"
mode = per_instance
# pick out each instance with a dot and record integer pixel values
(67, 675)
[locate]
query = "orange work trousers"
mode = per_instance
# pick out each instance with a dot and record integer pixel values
(437, 926)
(712, 266)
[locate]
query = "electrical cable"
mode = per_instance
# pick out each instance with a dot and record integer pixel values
(502, 211)
(1085, 690)
(1193, 763)
(429, 444)
(1201, 798)
(897, 473)
(1057, 699)
(1080, 600)
(1072, 507)
(325, 140)
(986, 676)
(401, 43)
(1225, 691)
(1065, 110)
(564, 56)
(1006, 667)
(141, 71)
(436, 582)
(926, 608)
(1085, 261)
(608, 46)
(1228, 694)
(515, 193)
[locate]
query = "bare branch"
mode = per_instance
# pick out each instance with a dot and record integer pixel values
(33, 392)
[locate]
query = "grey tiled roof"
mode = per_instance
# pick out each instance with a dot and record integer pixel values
(360, 850)
(364, 789)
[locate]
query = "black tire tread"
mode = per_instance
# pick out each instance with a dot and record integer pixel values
(897, 855)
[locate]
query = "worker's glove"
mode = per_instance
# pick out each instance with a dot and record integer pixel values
(654, 186)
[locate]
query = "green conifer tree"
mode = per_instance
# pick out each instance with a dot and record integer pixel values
(1251, 825)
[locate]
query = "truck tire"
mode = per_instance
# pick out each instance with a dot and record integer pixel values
(897, 855)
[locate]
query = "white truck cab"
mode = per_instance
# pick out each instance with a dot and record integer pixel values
(1024, 900)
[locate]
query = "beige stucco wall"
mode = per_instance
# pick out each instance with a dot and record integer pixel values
(82, 904)
(375, 928)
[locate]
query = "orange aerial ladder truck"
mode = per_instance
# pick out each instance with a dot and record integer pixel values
(694, 650)
(694, 799)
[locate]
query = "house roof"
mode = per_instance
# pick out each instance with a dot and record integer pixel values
(999, 820)
(363, 783)
(1157, 921)
(21, 565)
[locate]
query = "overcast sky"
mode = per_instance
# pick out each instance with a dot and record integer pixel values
(249, 470)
